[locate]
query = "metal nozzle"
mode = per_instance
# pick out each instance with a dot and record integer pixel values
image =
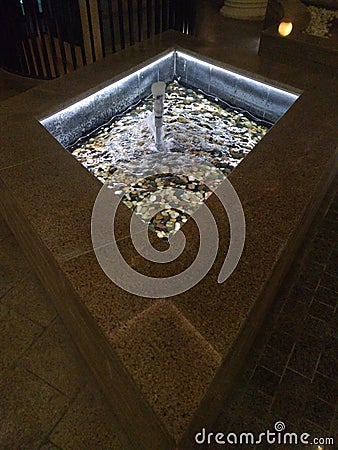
(158, 91)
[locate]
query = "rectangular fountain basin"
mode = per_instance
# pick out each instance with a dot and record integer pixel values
(261, 100)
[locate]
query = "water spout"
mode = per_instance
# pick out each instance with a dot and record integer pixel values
(158, 91)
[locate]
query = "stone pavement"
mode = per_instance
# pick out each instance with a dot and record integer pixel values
(292, 373)
(50, 401)
(48, 398)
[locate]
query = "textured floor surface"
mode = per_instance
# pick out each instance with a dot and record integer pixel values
(48, 397)
(47, 394)
(292, 374)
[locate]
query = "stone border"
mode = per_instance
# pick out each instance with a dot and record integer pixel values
(47, 198)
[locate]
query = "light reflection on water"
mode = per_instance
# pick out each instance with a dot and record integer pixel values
(194, 127)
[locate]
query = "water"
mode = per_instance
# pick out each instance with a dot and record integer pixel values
(194, 127)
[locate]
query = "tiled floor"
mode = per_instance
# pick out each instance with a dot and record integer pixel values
(292, 375)
(48, 398)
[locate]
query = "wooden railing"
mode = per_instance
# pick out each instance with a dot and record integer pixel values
(49, 38)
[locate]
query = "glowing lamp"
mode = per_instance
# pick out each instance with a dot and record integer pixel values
(285, 28)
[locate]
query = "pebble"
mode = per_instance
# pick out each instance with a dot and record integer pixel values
(321, 21)
(121, 146)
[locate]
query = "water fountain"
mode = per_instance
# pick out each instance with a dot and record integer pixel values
(210, 327)
(199, 127)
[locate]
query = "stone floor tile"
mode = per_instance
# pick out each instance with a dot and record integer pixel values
(259, 403)
(319, 252)
(328, 363)
(29, 408)
(273, 360)
(291, 397)
(325, 388)
(332, 268)
(321, 311)
(334, 254)
(295, 308)
(326, 296)
(16, 334)
(290, 323)
(54, 358)
(88, 425)
(333, 211)
(311, 275)
(329, 281)
(301, 293)
(281, 341)
(265, 380)
(314, 330)
(304, 357)
(319, 412)
(333, 325)
(334, 427)
(327, 231)
(29, 299)
(291, 319)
